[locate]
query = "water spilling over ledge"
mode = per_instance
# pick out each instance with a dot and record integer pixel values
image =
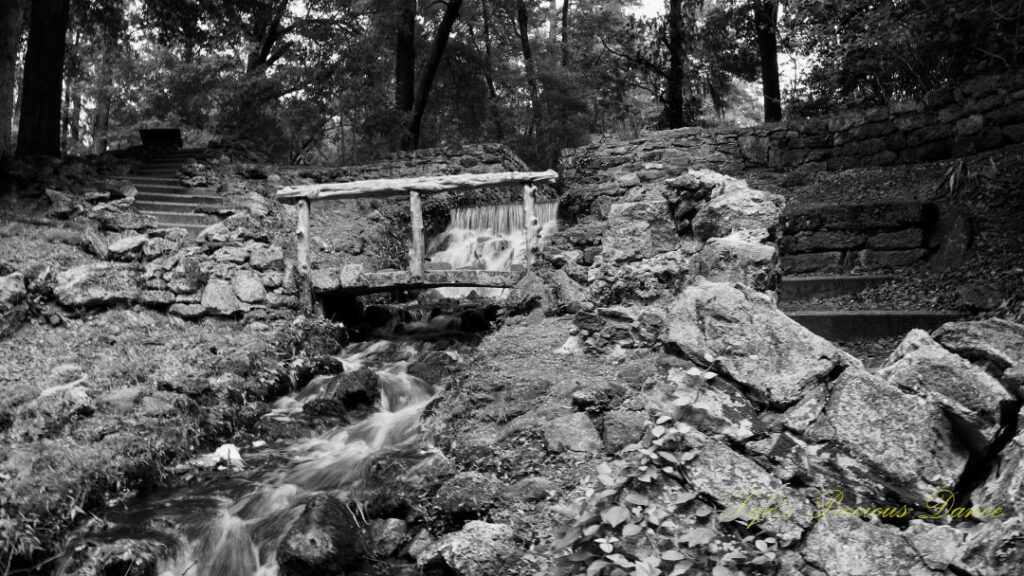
(491, 238)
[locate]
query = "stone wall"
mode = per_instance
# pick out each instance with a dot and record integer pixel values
(980, 115)
(844, 237)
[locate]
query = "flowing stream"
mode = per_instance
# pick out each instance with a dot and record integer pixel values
(233, 526)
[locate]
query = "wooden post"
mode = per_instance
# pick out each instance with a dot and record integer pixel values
(416, 252)
(532, 224)
(302, 255)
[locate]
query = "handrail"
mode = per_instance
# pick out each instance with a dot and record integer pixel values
(414, 187)
(394, 187)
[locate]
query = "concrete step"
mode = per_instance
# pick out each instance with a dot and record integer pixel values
(176, 207)
(177, 218)
(848, 326)
(148, 181)
(795, 288)
(193, 229)
(177, 198)
(162, 188)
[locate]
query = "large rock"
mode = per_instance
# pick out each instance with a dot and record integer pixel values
(219, 298)
(268, 258)
(736, 482)
(994, 340)
(905, 438)
(353, 389)
(127, 248)
(531, 292)
(121, 216)
(738, 209)
(854, 547)
(479, 549)
(469, 495)
(12, 290)
(100, 284)
(623, 427)
(62, 205)
(573, 432)
(740, 257)
(970, 396)
(751, 341)
(326, 537)
(13, 306)
(639, 230)
(248, 287)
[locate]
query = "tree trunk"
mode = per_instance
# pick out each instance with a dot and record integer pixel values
(523, 23)
(39, 127)
(444, 30)
(565, 33)
(492, 92)
(264, 33)
(766, 14)
(11, 20)
(674, 88)
(405, 57)
(553, 21)
(101, 116)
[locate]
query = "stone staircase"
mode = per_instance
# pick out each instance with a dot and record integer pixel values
(853, 325)
(161, 194)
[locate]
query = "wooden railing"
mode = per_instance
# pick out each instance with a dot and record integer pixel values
(415, 188)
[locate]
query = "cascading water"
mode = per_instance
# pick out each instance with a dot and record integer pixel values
(489, 237)
(235, 526)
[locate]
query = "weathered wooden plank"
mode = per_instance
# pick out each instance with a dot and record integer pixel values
(418, 248)
(532, 223)
(395, 187)
(351, 280)
(302, 257)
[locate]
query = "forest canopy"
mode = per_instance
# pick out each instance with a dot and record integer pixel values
(341, 81)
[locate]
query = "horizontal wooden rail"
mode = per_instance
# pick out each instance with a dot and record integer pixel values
(389, 188)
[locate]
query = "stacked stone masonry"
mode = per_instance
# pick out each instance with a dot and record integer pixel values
(980, 115)
(845, 237)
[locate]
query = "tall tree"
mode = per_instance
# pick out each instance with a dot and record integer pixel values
(523, 30)
(674, 89)
(565, 33)
(405, 56)
(39, 127)
(411, 141)
(11, 20)
(766, 15)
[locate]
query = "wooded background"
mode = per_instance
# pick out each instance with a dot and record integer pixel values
(343, 81)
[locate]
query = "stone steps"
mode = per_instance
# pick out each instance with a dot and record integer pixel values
(161, 195)
(149, 207)
(177, 219)
(180, 198)
(797, 288)
(849, 326)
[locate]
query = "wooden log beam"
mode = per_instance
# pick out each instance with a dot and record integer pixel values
(302, 258)
(416, 251)
(397, 187)
(352, 280)
(532, 223)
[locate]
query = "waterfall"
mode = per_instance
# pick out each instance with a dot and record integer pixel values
(491, 237)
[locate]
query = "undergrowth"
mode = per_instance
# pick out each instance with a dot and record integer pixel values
(643, 520)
